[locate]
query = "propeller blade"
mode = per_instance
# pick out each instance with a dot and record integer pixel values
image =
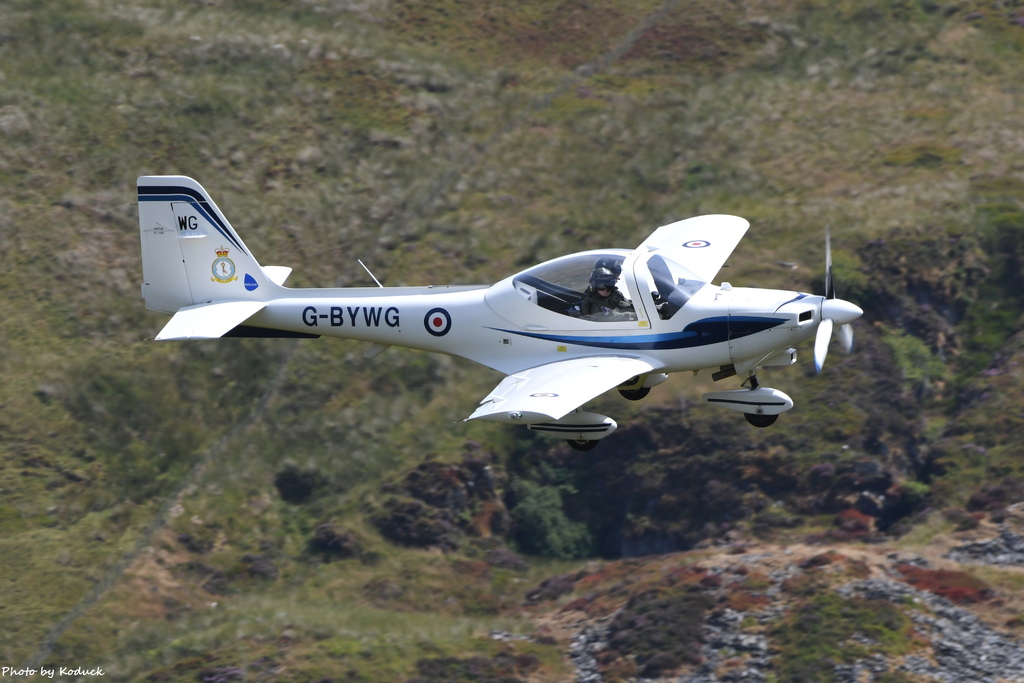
(830, 289)
(836, 314)
(844, 333)
(821, 340)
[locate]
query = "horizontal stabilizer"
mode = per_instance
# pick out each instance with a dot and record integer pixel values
(277, 274)
(209, 321)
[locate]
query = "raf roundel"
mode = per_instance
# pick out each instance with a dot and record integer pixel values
(696, 244)
(437, 322)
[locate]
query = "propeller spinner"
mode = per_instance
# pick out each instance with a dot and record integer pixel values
(836, 314)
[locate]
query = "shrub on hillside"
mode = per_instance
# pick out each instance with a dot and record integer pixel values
(332, 543)
(819, 633)
(412, 522)
(540, 526)
(663, 630)
(297, 485)
(439, 503)
(503, 668)
(997, 496)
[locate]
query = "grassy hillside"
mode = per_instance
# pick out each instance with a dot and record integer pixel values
(279, 509)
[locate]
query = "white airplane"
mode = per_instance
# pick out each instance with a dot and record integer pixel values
(564, 332)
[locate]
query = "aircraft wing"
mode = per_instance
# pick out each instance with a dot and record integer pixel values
(701, 244)
(549, 392)
(209, 321)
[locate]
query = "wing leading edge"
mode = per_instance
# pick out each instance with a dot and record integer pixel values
(550, 392)
(702, 244)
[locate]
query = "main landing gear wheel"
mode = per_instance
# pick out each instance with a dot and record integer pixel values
(761, 420)
(582, 445)
(635, 394)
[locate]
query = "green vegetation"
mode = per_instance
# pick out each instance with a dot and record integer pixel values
(827, 629)
(916, 363)
(922, 154)
(541, 527)
(285, 508)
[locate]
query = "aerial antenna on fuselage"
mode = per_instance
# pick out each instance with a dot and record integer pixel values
(368, 272)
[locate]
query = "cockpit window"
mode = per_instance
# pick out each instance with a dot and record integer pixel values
(674, 285)
(584, 286)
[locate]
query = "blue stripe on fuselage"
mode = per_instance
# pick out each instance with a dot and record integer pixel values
(798, 297)
(699, 333)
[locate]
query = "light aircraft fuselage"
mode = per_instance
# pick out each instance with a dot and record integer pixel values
(564, 331)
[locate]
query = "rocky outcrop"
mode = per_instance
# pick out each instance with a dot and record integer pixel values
(961, 646)
(1006, 549)
(724, 634)
(755, 598)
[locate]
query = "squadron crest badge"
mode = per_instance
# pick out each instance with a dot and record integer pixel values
(223, 268)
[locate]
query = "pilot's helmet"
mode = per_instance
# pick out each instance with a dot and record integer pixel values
(611, 264)
(602, 278)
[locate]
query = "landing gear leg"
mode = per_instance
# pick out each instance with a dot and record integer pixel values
(582, 445)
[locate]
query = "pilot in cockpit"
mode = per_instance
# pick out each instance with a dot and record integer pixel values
(602, 300)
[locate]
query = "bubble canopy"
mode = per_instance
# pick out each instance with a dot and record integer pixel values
(673, 284)
(561, 284)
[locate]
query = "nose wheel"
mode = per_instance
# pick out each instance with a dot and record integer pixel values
(635, 394)
(761, 406)
(758, 419)
(761, 421)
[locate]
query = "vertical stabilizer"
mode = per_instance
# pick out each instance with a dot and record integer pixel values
(190, 253)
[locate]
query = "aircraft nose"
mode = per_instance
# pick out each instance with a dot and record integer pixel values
(842, 312)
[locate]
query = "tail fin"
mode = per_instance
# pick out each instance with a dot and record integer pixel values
(190, 253)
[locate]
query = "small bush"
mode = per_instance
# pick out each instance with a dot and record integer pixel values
(818, 634)
(958, 587)
(924, 154)
(257, 567)
(997, 496)
(414, 523)
(503, 668)
(661, 663)
(539, 524)
(503, 558)
(552, 588)
(436, 504)
(662, 630)
(961, 519)
(297, 485)
(853, 522)
(332, 543)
